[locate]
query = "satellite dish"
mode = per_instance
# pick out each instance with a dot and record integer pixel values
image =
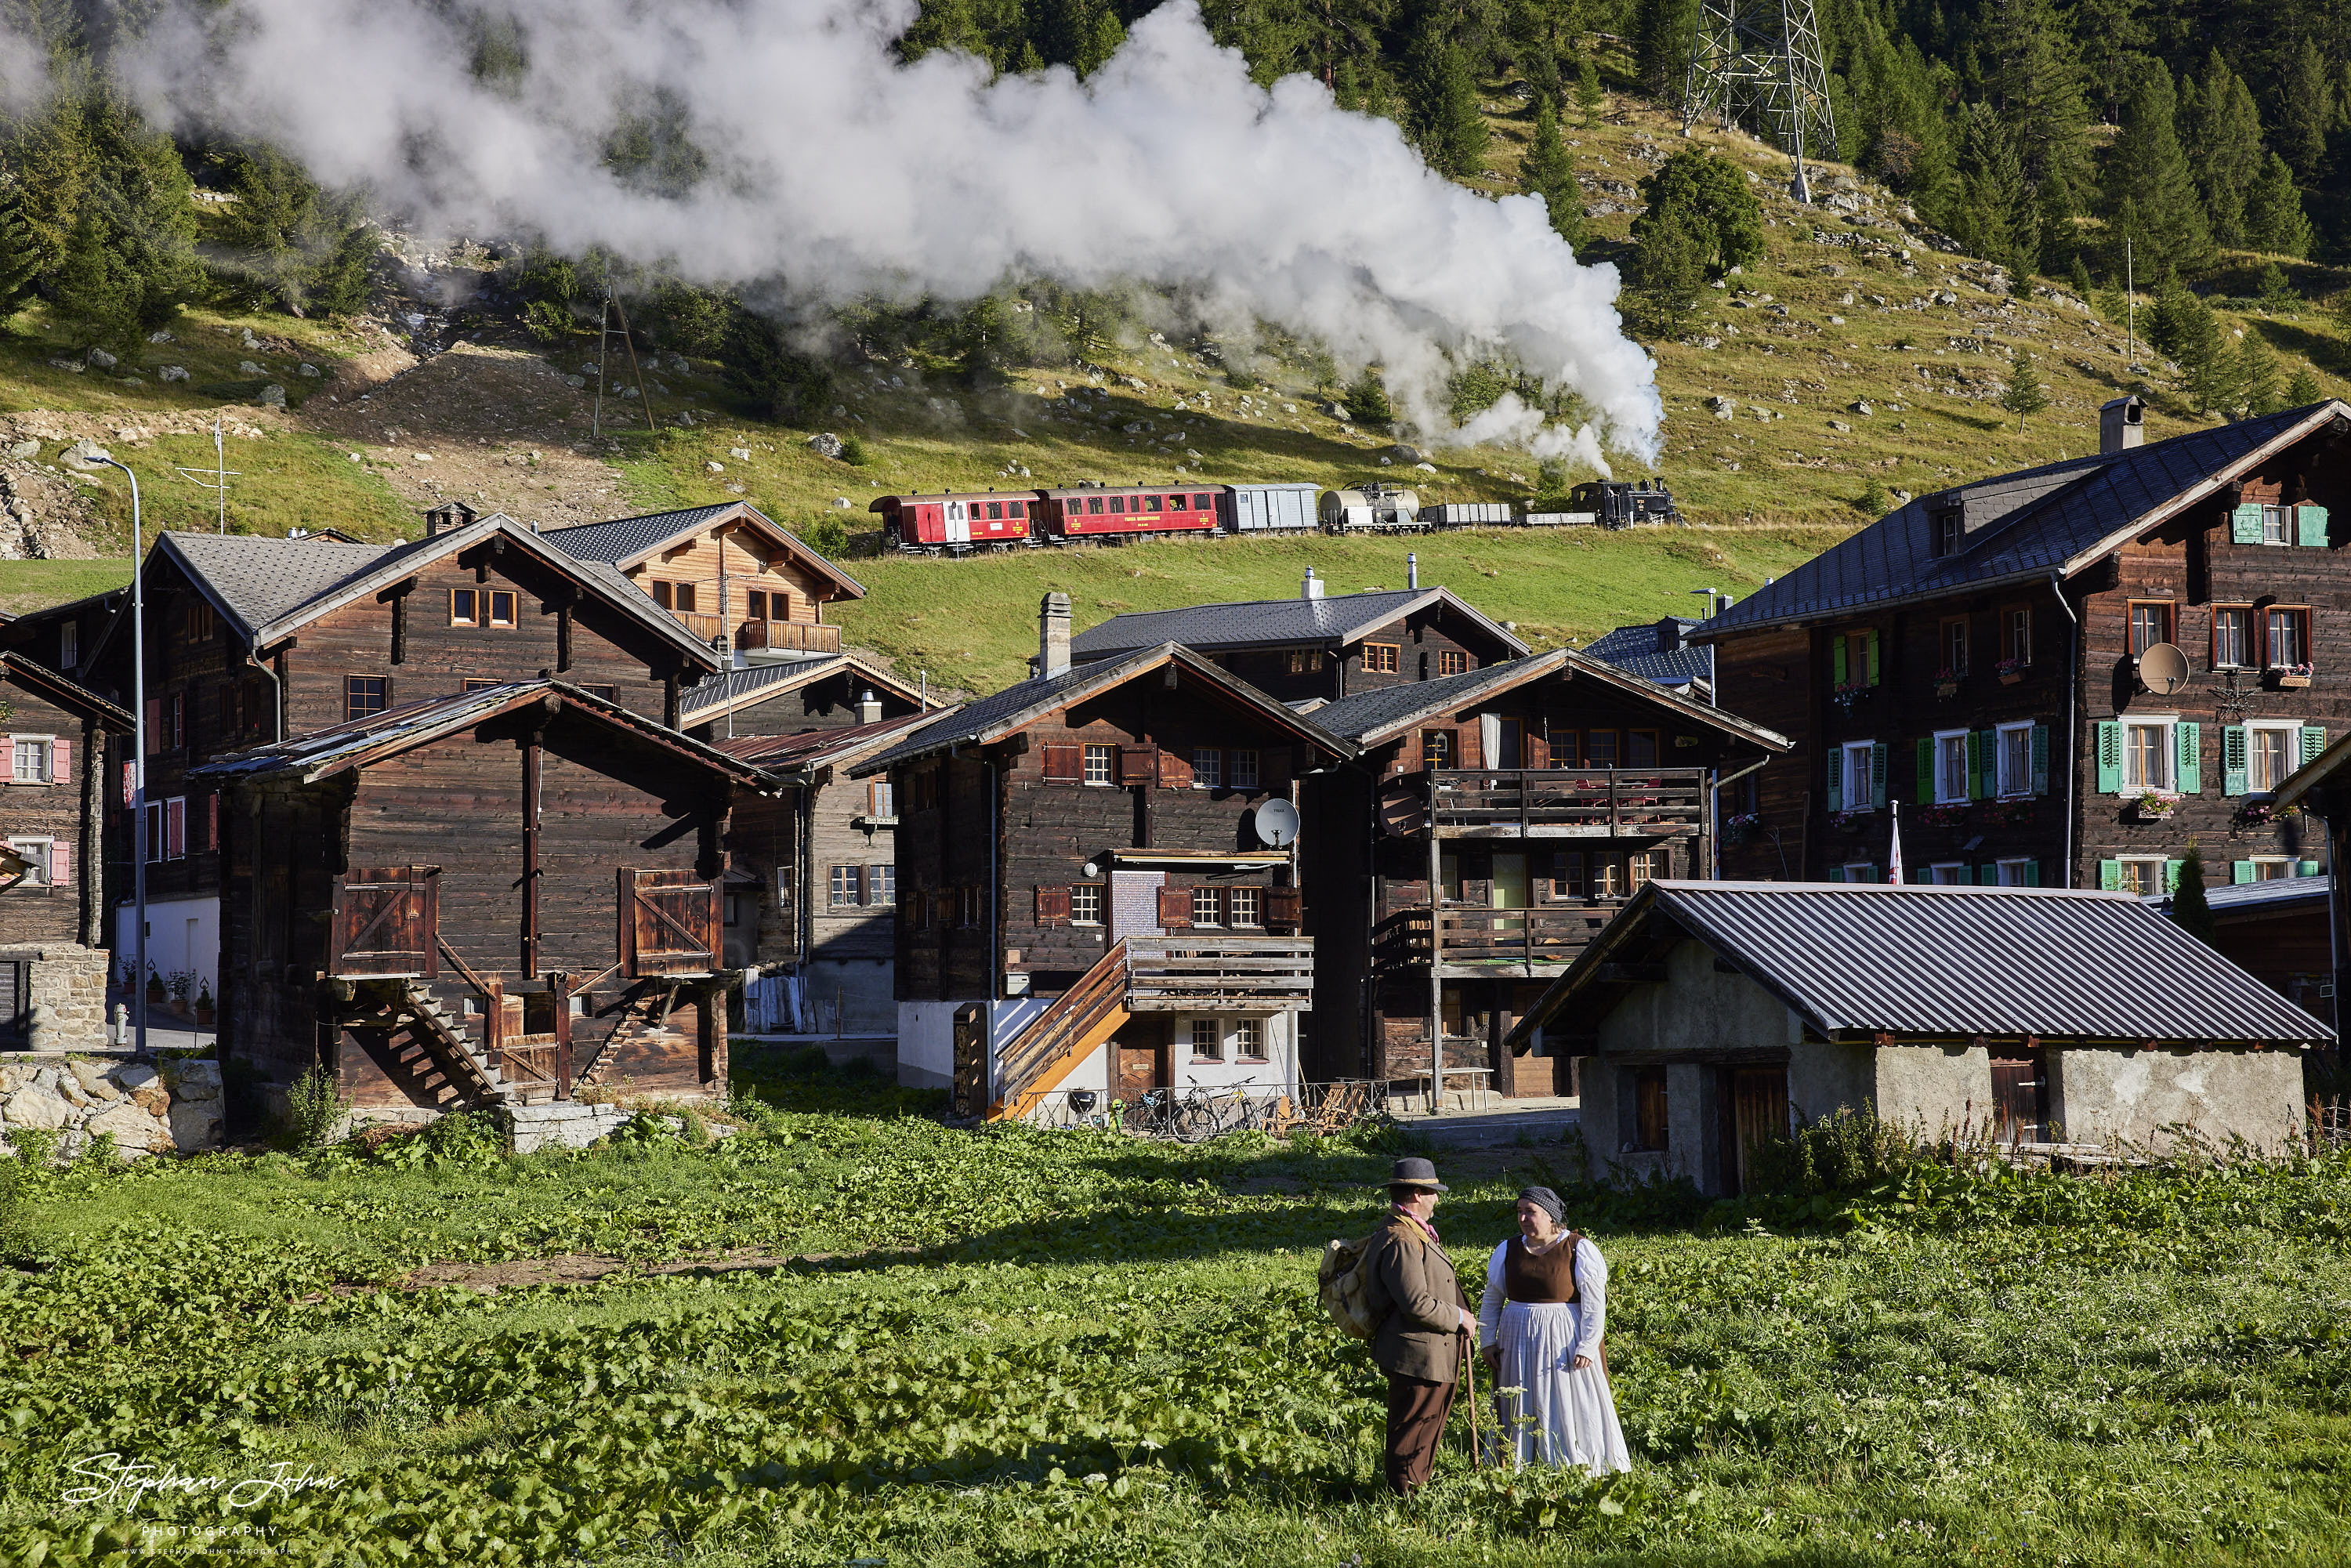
(1277, 822)
(2163, 669)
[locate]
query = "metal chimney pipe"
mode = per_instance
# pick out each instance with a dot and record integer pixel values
(1412, 569)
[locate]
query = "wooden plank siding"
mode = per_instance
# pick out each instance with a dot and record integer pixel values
(747, 562)
(64, 904)
(1421, 640)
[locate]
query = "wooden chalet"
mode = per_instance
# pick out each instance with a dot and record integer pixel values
(831, 692)
(1712, 1015)
(55, 736)
(1318, 648)
(494, 896)
(736, 579)
(2063, 675)
(1551, 788)
(1089, 903)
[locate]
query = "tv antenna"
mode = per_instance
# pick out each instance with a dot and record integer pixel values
(1759, 61)
(611, 308)
(220, 473)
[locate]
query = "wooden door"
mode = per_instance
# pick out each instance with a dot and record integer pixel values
(2020, 1090)
(1758, 1110)
(1511, 751)
(971, 1061)
(1507, 889)
(669, 923)
(387, 921)
(1139, 1059)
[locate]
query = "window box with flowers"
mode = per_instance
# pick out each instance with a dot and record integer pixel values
(1738, 828)
(1849, 822)
(2011, 813)
(2289, 677)
(1852, 692)
(1947, 683)
(2010, 671)
(2156, 805)
(1951, 814)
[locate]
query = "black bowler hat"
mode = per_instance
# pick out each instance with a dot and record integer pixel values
(1413, 1171)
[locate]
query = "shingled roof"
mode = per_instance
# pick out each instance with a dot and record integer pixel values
(1371, 717)
(255, 581)
(2030, 525)
(754, 684)
(622, 542)
(1340, 619)
(1654, 653)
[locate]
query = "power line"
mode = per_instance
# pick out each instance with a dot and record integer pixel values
(1758, 63)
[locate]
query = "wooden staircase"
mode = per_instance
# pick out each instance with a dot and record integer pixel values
(1035, 1060)
(645, 1013)
(464, 1066)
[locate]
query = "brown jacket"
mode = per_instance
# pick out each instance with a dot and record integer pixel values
(1418, 1301)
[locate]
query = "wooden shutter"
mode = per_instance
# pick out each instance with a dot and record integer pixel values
(60, 760)
(386, 921)
(2305, 868)
(2032, 873)
(129, 786)
(1836, 778)
(154, 726)
(1175, 773)
(2235, 774)
(669, 923)
(1138, 764)
(1987, 764)
(1283, 908)
(2189, 773)
(1468, 750)
(1538, 749)
(2110, 875)
(1975, 750)
(1052, 906)
(2314, 741)
(1837, 673)
(2245, 524)
(1872, 636)
(175, 828)
(1175, 908)
(2041, 759)
(2110, 757)
(2310, 525)
(1988, 874)
(1878, 775)
(1064, 764)
(60, 862)
(212, 821)
(1837, 873)
(2171, 875)
(2240, 871)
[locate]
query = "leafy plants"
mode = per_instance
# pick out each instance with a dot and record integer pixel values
(315, 1105)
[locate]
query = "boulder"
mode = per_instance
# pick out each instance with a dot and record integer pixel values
(248, 368)
(272, 396)
(24, 451)
(824, 444)
(92, 1076)
(132, 1077)
(1403, 454)
(309, 370)
(575, 381)
(102, 359)
(133, 1128)
(1861, 406)
(740, 454)
(76, 366)
(714, 467)
(173, 373)
(164, 337)
(1841, 427)
(196, 1127)
(195, 1083)
(35, 1107)
(82, 454)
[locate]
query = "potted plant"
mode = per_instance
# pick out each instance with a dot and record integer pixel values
(205, 1006)
(1947, 683)
(2157, 805)
(182, 984)
(2010, 671)
(1950, 815)
(2287, 677)
(1852, 692)
(155, 992)
(2011, 813)
(1848, 822)
(1738, 828)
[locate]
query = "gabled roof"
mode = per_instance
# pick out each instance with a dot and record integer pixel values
(1653, 654)
(361, 742)
(68, 694)
(2248, 900)
(624, 542)
(2030, 525)
(990, 719)
(813, 748)
(1855, 960)
(1339, 620)
(732, 690)
(2323, 774)
(1370, 718)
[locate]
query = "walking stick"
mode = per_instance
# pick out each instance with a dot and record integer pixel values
(1469, 1370)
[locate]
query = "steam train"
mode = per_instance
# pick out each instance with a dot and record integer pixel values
(959, 522)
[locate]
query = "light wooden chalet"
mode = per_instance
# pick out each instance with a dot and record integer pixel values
(1088, 899)
(560, 927)
(1534, 798)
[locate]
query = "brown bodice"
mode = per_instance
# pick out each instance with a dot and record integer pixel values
(1539, 1277)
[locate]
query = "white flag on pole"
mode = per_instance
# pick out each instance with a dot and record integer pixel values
(1894, 856)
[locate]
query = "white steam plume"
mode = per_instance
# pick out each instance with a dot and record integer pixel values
(845, 171)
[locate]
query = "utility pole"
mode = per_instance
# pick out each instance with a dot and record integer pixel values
(1760, 61)
(2130, 300)
(220, 471)
(611, 307)
(138, 758)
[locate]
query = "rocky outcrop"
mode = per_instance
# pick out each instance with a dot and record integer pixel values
(167, 1107)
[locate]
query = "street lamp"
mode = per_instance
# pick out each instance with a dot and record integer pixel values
(138, 758)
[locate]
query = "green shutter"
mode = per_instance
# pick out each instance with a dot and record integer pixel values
(1873, 657)
(1988, 873)
(2110, 757)
(2171, 875)
(2191, 757)
(1837, 873)
(2314, 741)
(1975, 766)
(1868, 873)
(2245, 524)
(2032, 873)
(1836, 778)
(2110, 876)
(2305, 868)
(1837, 660)
(2041, 759)
(1925, 792)
(1878, 775)
(1987, 764)
(2233, 771)
(2240, 871)
(2311, 525)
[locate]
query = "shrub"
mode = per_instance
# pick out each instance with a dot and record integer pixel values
(852, 451)
(1367, 400)
(828, 536)
(1845, 1151)
(313, 1105)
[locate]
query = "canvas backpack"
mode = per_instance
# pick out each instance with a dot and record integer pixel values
(1345, 1286)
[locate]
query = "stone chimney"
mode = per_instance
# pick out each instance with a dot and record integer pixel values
(1054, 636)
(448, 517)
(869, 709)
(2122, 425)
(1313, 587)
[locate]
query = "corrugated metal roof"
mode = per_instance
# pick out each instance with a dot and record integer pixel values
(625, 539)
(2032, 522)
(814, 747)
(1274, 622)
(1369, 717)
(1944, 961)
(2251, 897)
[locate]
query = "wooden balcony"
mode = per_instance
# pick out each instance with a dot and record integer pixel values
(1476, 941)
(704, 627)
(1550, 803)
(787, 637)
(1200, 974)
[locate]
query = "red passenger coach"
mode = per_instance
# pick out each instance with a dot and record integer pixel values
(1091, 512)
(954, 522)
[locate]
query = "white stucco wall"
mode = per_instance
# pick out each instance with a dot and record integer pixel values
(926, 1044)
(182, 934)
(2114, 1097)
(1934, 1088)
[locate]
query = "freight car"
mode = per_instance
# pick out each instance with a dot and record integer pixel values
(1469, 515)
(1267, 508)
(1372, 507)
(956, 522)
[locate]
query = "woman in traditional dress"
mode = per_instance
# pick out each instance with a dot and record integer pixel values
(1540, 1327)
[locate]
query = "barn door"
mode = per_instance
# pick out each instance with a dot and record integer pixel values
(1758, 1109)
(387, 921)
(2019, 1098)
(971, 1061)
(669, 923)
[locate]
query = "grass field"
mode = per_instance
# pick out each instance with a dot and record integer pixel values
(846, 1336)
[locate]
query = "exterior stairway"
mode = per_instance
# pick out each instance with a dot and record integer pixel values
(464, 1067)
(1034, 1062)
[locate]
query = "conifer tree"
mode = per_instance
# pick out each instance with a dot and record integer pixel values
(2082, 285)
(1367, 400)
(2025, 396)
(2276, 290)
(2184, 329)
(2035, 80)
(1548, 173)
(2275, 220)
(2306, 111)
(2256, 377)
(1589, 98)
(2052, 212)
(1991, 187)
(2222, 131)
(1710, 195)
(1102, 40)
(97, 295)
(1669, 267)
(2303, 389)
(1346, 87)
(20, 259)
(2148, 169)
(2191, 910)
(1661, 46)
(1446, 122)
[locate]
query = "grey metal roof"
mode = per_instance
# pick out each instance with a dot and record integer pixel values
(2033, 522)
(2256, 898)
(620, 541)
(1860, 960)
(757, 683)
(1648, 651)
(259, 581)
(1274, 622)
(1369, 717)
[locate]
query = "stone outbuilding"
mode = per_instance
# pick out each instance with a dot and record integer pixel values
(1712, 1015)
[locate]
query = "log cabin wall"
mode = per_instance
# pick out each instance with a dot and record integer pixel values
(942, 945)
(48, 756)
(1340, 810)
(751, 564)
(1767, 676)
(763, 849)
(1420, 646)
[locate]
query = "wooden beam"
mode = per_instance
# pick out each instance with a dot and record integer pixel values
(530, 771)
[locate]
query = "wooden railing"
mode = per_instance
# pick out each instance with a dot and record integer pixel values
(1566, 802)
(704, 627)
(789, 636)
(1042, 1055)
(1552, 935)
(1200, 974)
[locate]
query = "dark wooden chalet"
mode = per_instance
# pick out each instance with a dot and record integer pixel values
(828, 692)
(1313, 647)
(495, 896)
(1552, 788)
(2063, 675)
(55, 737)
(1092, 894)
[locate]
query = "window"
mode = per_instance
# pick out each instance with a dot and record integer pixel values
(167, 828)
(2016, 635)
(996, 511)
(610, 693)
(1248, 1039)
(31, 763)
(35, 852)
(1950, 529)
(1451, 662)
(1648, 1103)
(881, 799)
(2233, 636)
(1858, 759)
(848, 887)
(1643, 866)
(2148, 750)
(1202, 503)
(1305, 660)
(1853, 658)
(2012, 753)
(365, 697)
(1085, 904)
(1152, 502)
(1600, 748)
(2285, 637)
(2018, 873)
(1946, 873)
(684, 593)
(1953, 646)
(1118, 504)
(662, 596)
(1437, 748)
(755, 606)
(1859, 870)
(1101, 764)
(1242, 905)
(2266, 869)
(478, 683)
(203, 624)
(2271, 753)
(1093, 504)
(1208, 766)
(2273, 526)
(971, 912)
(1567, 873)
(1950, 767)
(502, 606)
(1241, 768)
(466, 605)
(1381, 658)
(882, 884)
(2149, 623)
(167, 722)
(69, 647)
(1207, 1041)
(2142, 876)
(1640, 748)
(1207, 906)
(1607, 875)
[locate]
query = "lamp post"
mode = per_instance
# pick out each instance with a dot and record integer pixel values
(137, 759)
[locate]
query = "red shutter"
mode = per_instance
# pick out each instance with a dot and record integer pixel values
(1538, 751)
(1282, 907)
(60, 862)
(7, 757)
(1175, 773)
(1064, 764)
(60, 760)
(1052, 906)
(212, 821)
(175, 828)
(1138, 764)
(154, 726)
(1175, 908)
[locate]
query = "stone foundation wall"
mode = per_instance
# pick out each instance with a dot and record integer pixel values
(171, 1107)
(68, 994)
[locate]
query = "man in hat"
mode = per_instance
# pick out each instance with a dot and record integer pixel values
(1423, 1319)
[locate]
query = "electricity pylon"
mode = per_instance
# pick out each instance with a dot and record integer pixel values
(1758, 63)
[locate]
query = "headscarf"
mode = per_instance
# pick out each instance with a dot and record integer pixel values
(1550, 1202)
